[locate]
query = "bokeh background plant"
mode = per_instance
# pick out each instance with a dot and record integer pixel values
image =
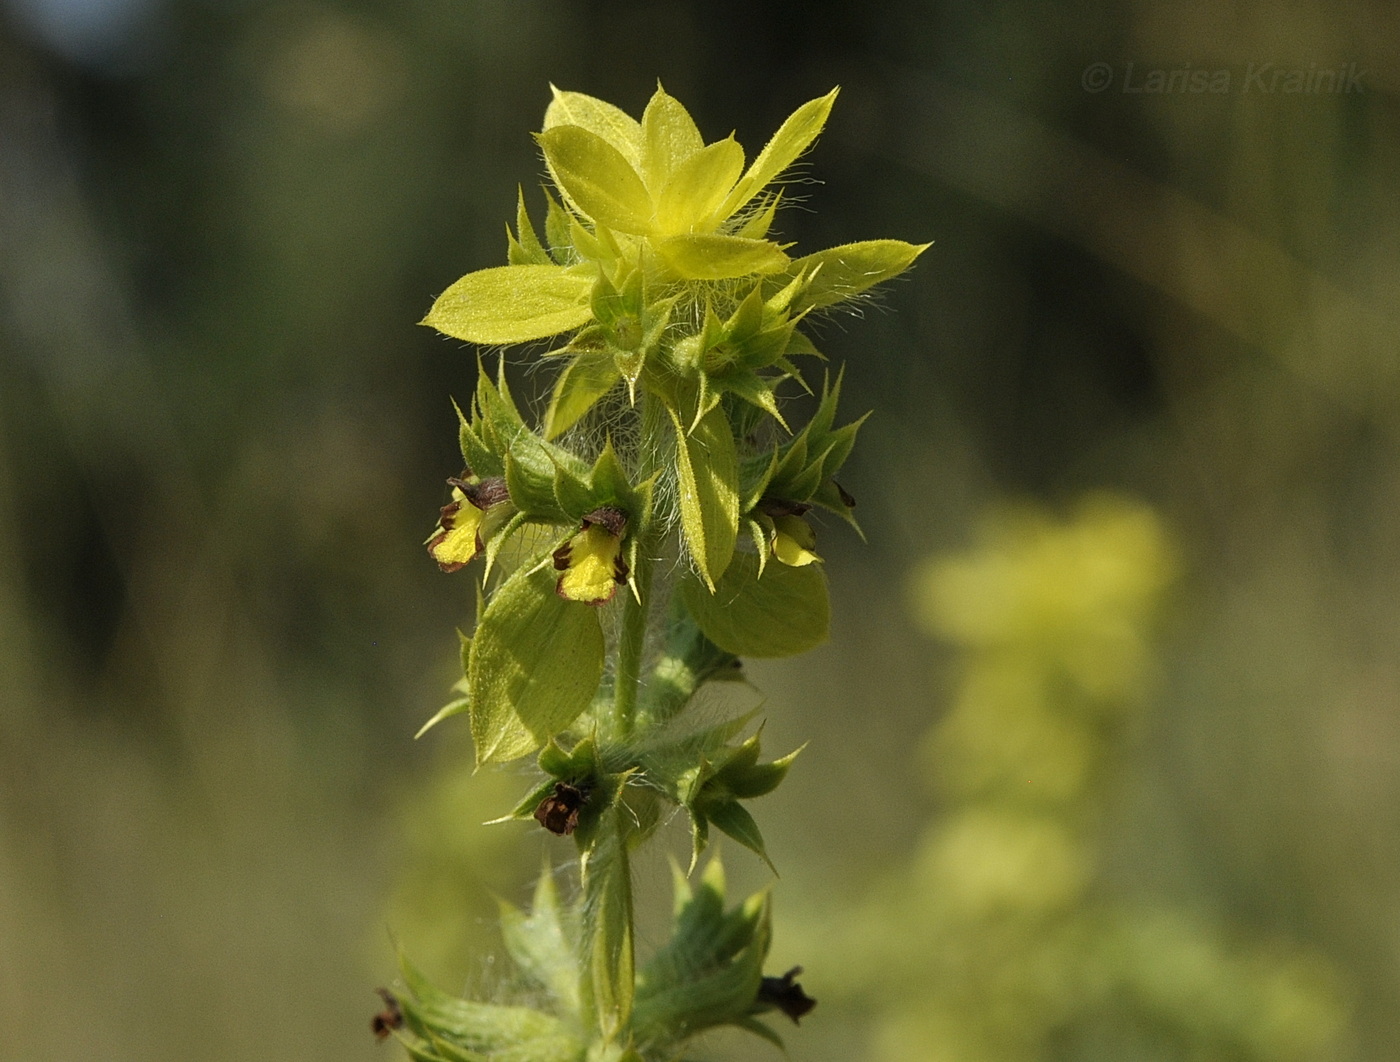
(221, 440)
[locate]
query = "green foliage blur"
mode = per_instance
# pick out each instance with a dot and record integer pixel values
(222, 439)
(999, 943)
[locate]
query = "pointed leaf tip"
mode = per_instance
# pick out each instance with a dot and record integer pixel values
(793, 138)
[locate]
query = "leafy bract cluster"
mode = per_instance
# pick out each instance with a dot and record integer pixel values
(659, 271)
(708, 973)
(625, 566)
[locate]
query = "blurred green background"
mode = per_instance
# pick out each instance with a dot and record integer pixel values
(222, 442)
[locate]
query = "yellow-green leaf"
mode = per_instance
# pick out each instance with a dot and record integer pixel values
(715, 257)
(542, 945)
(610, 122)
(782, 613)
(792, 138)
(840, 273)
(668, 138)
(534, 665)
(485, 1027)
(759, 218)
(691, 198)
(708, 474)
(597, 178)
(512, 304)
(525, 246)
(587, 378)
(734, 819)
(755, 390)
(447, 711)
(607, 885)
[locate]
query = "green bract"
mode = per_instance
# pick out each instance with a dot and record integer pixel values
(782, 612)
(665, 447)
(534, 666)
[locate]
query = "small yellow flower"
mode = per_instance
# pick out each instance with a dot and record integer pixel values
(591, 562)
(458, 536)
(792, 539)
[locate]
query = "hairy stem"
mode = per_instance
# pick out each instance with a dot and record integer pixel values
(631, 645)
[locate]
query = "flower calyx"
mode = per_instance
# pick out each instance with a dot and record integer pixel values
(458, 537)
(572, 792)
(434, 1024)
(780, 488)
(580, 785)
(747, 355)
(591, 564)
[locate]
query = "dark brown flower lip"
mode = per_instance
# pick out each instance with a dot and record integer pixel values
(484, 493)
(776, 507)
(786, 995)
(611, 519)
(447, 515)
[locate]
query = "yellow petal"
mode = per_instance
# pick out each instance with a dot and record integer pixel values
(456, 541)
(794, 541)
(591, 575)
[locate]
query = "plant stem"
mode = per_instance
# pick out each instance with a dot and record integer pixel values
(631, 643)
(631, 647)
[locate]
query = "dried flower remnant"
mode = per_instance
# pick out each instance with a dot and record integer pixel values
(785, 994)
(388, 1019)
(558, 812)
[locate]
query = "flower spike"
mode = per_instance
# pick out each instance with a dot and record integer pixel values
(667, 461)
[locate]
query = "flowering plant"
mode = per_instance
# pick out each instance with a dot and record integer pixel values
(652, 530)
